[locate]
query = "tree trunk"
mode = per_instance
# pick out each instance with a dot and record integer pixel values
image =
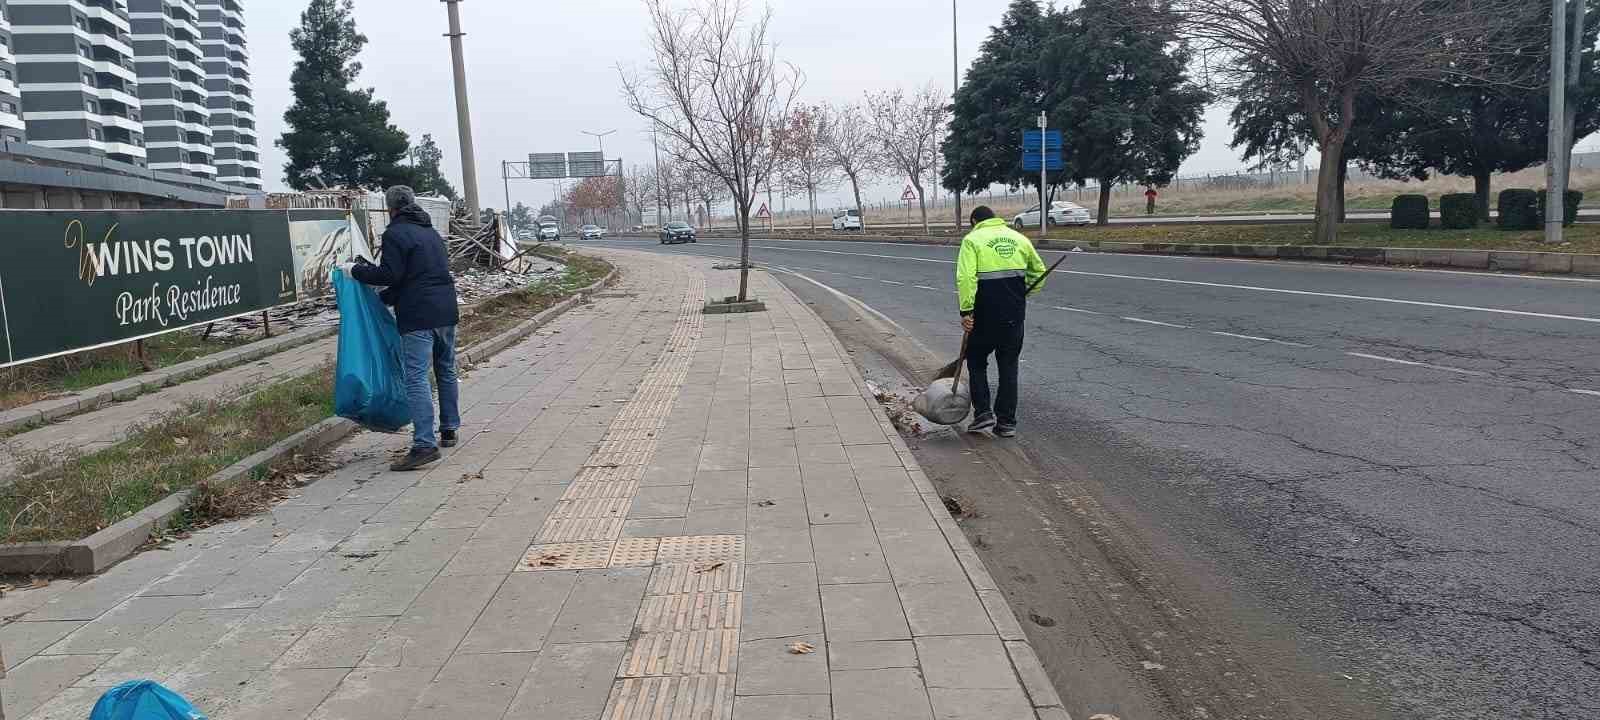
(1574, 84)
(922, 204)
(811, 195)
(855, 187)
(1344, 177)
(744, 250)
(1327, 232)
(1104, 214)
(1480, 188)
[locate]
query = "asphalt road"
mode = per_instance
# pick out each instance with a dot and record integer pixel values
(1274, 489)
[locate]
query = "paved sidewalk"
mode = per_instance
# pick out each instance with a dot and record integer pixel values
(655, 514)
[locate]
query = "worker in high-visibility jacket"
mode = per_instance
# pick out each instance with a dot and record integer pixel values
(993, 272)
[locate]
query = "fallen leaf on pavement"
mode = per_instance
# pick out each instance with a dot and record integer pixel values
(549, 559)
(801, 648)
(708, 567)
(38, 583)
(468, 477)
(766, 503)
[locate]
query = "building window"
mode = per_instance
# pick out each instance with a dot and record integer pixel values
(89, 105)
(94, 133)
(88, 79)
(5, 74)
(9, 108)
(79, 21)
(85, 51)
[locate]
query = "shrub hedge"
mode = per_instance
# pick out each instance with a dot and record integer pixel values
(1569, 208)
(1409, 212)
(1458, 211)
(1519, 209)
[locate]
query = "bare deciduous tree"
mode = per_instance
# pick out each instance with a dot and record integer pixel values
(1331, 51)
(803, 162)
(716, 90)
(907, 127)
(845, 137)
(639, 188)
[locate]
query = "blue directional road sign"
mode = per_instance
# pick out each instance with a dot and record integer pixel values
(1052, 160)
(1032, 139)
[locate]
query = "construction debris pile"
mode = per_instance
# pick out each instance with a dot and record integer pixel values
(484, 258)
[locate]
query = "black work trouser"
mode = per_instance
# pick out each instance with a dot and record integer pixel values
(1006, 345)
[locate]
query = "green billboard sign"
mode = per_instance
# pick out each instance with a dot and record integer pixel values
(80, 279)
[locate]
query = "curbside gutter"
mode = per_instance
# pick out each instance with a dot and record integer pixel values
(1528, 261)
(46, 411)
(1025, 663)
(107, 547)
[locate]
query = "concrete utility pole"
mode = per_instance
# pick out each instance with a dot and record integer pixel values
(1557, 139)
(656, 145)
(469, 165)
(955, 83)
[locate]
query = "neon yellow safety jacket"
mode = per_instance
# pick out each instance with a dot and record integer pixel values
(993, 272)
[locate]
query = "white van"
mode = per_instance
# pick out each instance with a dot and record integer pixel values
(847, 220)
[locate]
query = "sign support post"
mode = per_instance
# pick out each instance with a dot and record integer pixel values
(1044, 174)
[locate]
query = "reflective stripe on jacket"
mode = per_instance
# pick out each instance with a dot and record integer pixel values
(993, 271)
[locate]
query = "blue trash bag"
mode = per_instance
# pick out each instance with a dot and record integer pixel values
(369, 376)
(143, 700)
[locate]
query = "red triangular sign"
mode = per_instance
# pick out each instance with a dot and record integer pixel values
(909, 194)
(763, 212)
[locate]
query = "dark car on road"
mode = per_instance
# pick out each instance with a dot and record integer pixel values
(677, 232)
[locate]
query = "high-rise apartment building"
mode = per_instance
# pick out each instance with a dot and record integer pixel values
(233, 119)
(75, 71)
(11, 125)
(162, 84)
(172, 90)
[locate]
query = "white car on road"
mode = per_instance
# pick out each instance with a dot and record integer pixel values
(1062, 212)
(847, 220)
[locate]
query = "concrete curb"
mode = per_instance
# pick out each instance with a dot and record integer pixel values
(105, 548)
(46, 411)
(1528, 261)
(1041, 692)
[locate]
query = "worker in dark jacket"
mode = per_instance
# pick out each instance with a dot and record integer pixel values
(415, 275)
(994, 271)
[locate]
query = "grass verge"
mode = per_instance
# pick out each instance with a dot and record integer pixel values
(71, 495)
(37, 381)
(1584, 238)
(505, 311)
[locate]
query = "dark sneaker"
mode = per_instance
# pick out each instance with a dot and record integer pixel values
(1006, 431)
(447, 438)
(981, 423)
(415, 459)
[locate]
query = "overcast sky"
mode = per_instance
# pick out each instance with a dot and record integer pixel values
(542, 72)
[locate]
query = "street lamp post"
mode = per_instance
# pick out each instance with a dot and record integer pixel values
(955, 82)
(469, 164)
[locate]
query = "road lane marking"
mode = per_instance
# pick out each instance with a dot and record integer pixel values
(891, 282)
(1252, 288)
(862, 277)
(925, 287)
(1595, 393)
(1076, 310)
(1155, 322)
(848, 300)
(1398, 361)
(1258, 338)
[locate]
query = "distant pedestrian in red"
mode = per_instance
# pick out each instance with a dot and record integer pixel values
(1150, 200)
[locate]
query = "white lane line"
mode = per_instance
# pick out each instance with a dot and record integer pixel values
(1252, 288)
(1155, 322)
(1595, 393)
(1398, 361)
(891, 282)
(1259, 339)
(1076, 310)
(848, 300)
(925, 287)
(862, 277)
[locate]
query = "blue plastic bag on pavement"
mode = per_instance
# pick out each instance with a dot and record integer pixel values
(369, 376)
(143, 700)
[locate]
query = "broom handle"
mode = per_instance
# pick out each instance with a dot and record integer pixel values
(955, 384)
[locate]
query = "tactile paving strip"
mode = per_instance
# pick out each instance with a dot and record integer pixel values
(693, 611)
(635, 552)
(567, 556)
(599, 507)
(692, 652)
(580, 530)
(691, 548)
(694, 697)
